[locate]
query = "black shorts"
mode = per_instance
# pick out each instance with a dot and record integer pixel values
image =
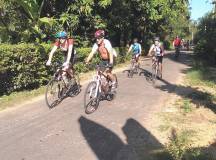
(104, 65)
(159, 59)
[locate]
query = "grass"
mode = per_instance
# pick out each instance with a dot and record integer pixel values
(17, 98)
(205, 76)
(194, 118)
(186, 106)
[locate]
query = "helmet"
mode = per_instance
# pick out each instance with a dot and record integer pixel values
(61, 34)
(135, 40)
(99, 34)
(157, 39)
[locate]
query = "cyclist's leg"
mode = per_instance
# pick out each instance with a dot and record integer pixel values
(137, 60)
(112, 78)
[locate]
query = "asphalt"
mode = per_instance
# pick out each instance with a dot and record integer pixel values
(118, 130)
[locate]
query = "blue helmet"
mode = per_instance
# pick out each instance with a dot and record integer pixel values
(61, 34)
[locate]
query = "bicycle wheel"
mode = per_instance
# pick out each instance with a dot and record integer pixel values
(91, 98)
(116, 79)
(75, 88)
(131, 71)
(154, 73)
(53, 94)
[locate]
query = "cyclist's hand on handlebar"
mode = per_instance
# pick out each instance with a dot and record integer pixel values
(48, 63)
(110, 65)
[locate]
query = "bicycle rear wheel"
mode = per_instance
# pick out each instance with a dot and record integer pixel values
(53, 94)
(75, 89)
(91, 102)
(131, 71)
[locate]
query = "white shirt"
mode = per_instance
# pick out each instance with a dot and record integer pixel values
(107, 44)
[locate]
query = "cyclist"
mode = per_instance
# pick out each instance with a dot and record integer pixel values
(66, 45)
(158, 50)
(105, 50)
(177, 42)
(136, 50)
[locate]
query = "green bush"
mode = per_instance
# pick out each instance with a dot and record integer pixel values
(205, 39)
(23, 65)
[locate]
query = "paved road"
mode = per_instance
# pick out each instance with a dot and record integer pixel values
(118, 130)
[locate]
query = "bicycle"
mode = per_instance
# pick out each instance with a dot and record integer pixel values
(177, 52)
(98, 89)
(155, 70)
(134, 68)
(61, 87)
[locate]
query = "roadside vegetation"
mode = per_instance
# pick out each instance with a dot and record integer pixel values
(27, 30)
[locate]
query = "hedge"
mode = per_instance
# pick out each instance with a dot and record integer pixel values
(23, 67)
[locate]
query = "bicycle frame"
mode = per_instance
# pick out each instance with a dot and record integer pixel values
(98, 79)
(155, 65)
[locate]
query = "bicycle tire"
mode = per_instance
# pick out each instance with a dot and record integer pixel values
(131, 71)
(54, 92)
(154, 74)
(93, 102)
(75, 88)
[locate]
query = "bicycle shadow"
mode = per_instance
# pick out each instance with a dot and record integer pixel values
(140, 143)
(147, 74)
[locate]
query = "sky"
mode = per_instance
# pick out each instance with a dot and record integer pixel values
(200, 8)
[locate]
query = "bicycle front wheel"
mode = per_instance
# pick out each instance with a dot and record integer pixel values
(53, 93)
(91, 98)
(131, 71)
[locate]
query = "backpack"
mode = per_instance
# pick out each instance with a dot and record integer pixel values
(104, 54)
(136, 48)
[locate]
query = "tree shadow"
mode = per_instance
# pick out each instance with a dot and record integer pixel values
(184, 58)
(197, 97)
(107, 145)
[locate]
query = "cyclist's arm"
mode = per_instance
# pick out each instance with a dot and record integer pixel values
(52, 52)
(70, 48)
(163, 51)
(140, 49)
(150, 50)
(129, 50)
(94, 50)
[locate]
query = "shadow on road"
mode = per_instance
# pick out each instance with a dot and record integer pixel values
(197, 97)
(106, 144)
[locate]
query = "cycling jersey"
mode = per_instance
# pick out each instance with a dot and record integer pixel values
(64, 46)
(136, 48)
(158, 50)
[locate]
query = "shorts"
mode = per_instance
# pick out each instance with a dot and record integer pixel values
(104, 64)
(135, 55)
(159, 59)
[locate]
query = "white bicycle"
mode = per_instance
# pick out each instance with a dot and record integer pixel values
(100, 88)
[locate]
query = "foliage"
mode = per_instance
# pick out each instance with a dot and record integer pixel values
(205, 39)
(121, 19)
(23, 65)
(179, 144)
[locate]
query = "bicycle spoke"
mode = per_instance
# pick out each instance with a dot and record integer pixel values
(91, 100)
(53, 92)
